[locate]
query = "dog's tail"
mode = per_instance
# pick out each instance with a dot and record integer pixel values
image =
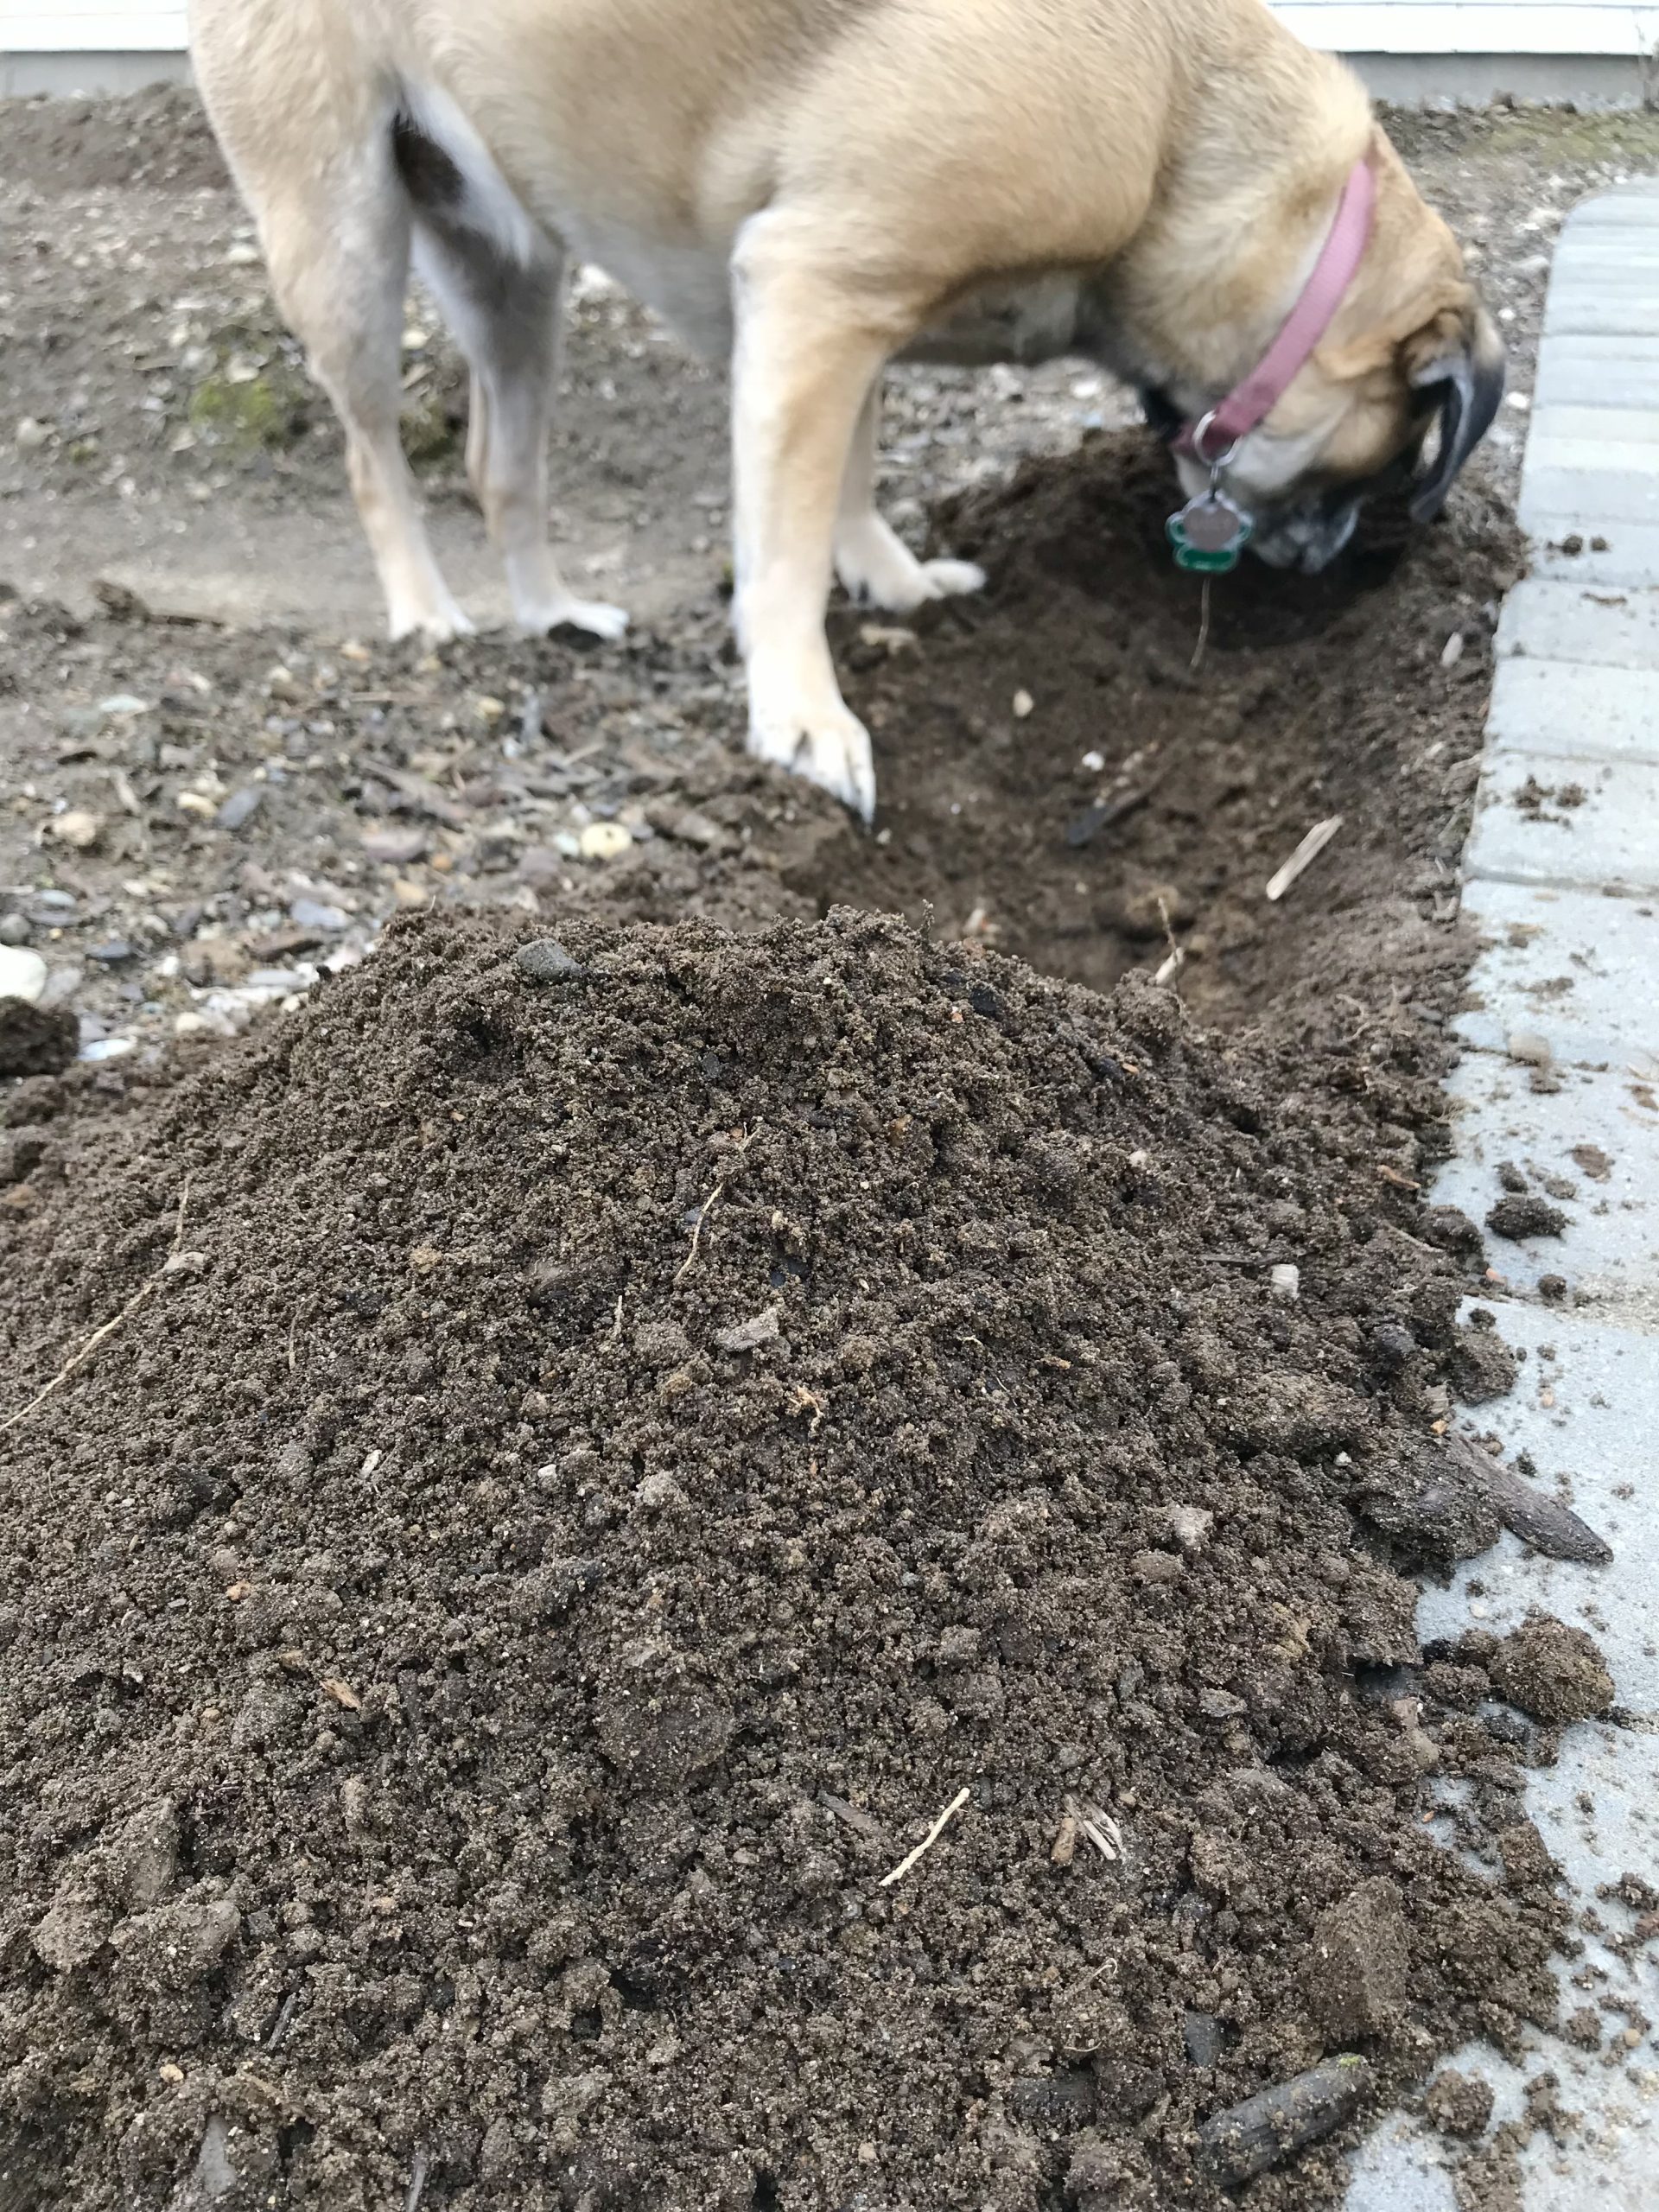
(452, 177)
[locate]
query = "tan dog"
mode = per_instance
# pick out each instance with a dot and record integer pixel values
(813, 188)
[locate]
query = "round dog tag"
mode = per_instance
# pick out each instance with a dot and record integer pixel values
(1210, 533)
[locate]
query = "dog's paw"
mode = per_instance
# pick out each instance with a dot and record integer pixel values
(596, 616)
(826, 745)
(433, 626)
(877, 568)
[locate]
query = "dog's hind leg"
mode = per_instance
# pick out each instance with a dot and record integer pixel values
(338, 261)
(506, 316)
(871, 561)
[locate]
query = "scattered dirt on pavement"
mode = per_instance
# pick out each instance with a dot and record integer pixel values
(620, 1441)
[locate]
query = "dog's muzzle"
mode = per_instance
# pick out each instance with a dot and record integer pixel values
(1309, 538)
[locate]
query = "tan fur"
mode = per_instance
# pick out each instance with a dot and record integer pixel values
(819, 186)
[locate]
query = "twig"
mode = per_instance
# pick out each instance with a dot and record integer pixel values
(293, 1331)
(928, 1841)
(1304, 854)
(1177, 960)
(80, 1358)
(703, 1212)
(1197, 661)
(417, 2184)
(1100, 1828)
(282, 2020)
(741, 1145)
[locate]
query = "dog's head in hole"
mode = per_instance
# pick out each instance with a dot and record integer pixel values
(1401, 389)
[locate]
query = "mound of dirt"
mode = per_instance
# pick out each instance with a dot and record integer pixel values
(604, 1447)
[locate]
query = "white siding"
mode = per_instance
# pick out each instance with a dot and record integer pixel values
(1348, 26)
(91, 27)
(1474, 26)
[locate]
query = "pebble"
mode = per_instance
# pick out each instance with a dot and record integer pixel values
(113, 949)
(1286, 1283)
(1023, 706)
(1221, 1705)
(604, 840)
(78, 829)
(13, 929)
(396, 847)
(546, 960)
(749, 1336)
(240, 808)
(1454, 652)
(29, 436)
(1189, 1525)
(1532, 1051)
(109, 1048)
(1202, 2034)
(312, 914)
(123, 702)
(22, 973)
(1094, 762)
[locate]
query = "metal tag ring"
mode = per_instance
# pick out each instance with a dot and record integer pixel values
(1201, 430)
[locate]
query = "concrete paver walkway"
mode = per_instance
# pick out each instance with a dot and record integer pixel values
(1561, 875)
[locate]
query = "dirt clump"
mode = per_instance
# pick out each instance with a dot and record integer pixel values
(1459, 2104)
(1358, 1966)
(618, 1445)
(1519, 1216)
(36, 1040)
(1553, 1672)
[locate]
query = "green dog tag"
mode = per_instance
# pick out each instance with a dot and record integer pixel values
(1209, 534)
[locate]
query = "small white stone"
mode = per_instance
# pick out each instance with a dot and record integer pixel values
(1286, 1282)
(1529, 1048)
(1023, 706)
(77, 829)
(1453, 651)
(604, 840)
(22, 973)
(29, 436)
(1094, 762)
(1189, 1525)
(109, 1048)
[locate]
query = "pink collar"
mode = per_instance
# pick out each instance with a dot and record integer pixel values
(1214, 437)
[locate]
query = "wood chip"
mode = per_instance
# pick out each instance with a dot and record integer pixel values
(1303, 856)
(1262, 2133)
(343, 1694)
(855, 1817)
(1527, 1511)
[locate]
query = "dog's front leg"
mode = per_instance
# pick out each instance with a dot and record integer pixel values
(809, 351)
(873, 563)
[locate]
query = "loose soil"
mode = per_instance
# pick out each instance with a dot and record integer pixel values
(589, 1468)
(606, 1454)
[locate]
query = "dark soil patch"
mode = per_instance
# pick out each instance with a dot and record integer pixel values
(1316, 696)
(606, 1460)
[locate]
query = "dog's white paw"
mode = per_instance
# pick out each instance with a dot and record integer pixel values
(880, 569)
(434, 625)
(596, 616)
(827, 744)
